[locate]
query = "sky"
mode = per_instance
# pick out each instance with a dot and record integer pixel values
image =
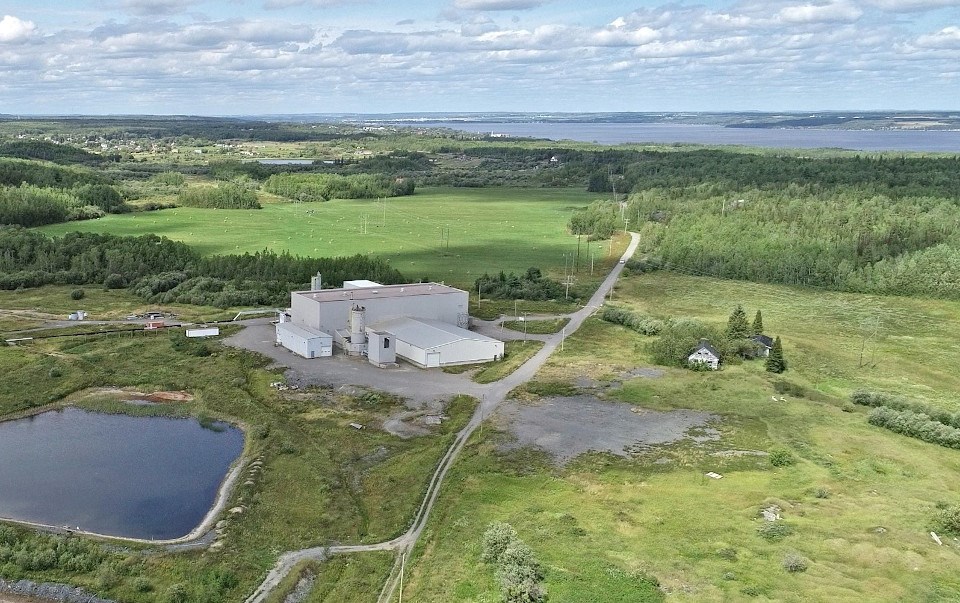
(249, 57)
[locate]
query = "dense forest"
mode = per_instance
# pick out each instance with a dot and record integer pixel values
(163, 271)
(848, 241)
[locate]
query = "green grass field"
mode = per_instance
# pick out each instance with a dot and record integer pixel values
(444, 234)
(859, 499)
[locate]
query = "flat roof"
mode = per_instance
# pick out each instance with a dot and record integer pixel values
(360, 284)
(301, 331)
(410, 290)
(428, 334)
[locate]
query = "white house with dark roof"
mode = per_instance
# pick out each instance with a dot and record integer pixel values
(705, 353)
(764, 345)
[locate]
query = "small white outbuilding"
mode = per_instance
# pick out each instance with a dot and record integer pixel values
(307, 342)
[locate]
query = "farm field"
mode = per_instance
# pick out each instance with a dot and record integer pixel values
(857, 502)
(441, 234)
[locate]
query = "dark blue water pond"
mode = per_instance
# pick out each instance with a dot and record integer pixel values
(138, 477)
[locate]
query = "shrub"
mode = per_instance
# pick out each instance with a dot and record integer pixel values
(774, 530)
(77, 294)
(177, 593)
(947, 520)
(142, 585)
(794, 563)
(496, 539)
(518, 570)
(781, 457)
(821, 493)
(915, 425)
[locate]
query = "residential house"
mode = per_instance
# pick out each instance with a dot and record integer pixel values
(705, 353)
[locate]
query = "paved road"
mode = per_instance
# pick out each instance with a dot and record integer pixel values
(491, 395)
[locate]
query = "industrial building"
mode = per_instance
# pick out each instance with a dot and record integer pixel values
(423, 323)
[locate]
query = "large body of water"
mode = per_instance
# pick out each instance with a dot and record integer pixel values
(120, 475)
(661, 133)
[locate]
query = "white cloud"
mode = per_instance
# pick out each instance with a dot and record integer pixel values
(497, 4)
(820, 13)
(946, 38)
(13, 29)
(154, 8)
(906, 6)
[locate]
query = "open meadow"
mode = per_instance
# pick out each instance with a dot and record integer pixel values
(442, 234)
(856, 502)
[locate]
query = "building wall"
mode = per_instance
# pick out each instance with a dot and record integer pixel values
(381, 347)
(312, 347)
(333, 315)
(470, 351)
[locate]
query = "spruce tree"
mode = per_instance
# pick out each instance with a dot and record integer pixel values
(757, 324)
(775, 361)
(737, 326)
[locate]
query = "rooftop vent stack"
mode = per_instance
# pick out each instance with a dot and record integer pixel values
(357, 334)
(315, 282)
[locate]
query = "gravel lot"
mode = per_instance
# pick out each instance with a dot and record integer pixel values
(569, 426)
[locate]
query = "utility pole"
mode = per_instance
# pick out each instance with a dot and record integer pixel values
(479, 283)
(563, 335)
(591, 261)
(578, 252)
(402, 560)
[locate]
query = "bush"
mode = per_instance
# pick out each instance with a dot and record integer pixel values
(915, 425)
(177, 593)
(794, 563)
(947, 520)
(774, 530)
(77, 294)
(781, 457)
(517, 568)
(142, 585)
(821, 493)
(645, 325)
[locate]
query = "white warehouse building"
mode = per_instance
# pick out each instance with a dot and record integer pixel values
(424, 323)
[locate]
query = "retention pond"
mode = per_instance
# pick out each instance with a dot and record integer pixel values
(113, 474)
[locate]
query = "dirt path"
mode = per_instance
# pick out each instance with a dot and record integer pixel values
(491, 396)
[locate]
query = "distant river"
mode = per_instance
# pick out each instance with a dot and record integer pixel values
(140, 477)
(791, 138)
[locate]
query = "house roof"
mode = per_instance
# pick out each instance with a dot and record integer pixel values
(428, 334)
(763, 340)
(705, 345)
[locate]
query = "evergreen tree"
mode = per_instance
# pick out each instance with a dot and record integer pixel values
(757, 324)
(737, 326)
(775, 361)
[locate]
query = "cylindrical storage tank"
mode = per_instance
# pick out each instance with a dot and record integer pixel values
(357, 334)
(316, 282)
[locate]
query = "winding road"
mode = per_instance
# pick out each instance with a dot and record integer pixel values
(491, 396)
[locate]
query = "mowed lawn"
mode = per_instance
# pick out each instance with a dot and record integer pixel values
(858, 502)
(442, 234)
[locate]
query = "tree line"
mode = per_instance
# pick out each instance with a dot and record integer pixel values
(845, 239)
(164, 271)
(323, 187)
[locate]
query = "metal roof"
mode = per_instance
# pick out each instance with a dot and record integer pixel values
(378, 292)
(428, 334)
(301, 331)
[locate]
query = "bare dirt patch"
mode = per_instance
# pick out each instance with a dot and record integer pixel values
(569, 426)
(130, 394)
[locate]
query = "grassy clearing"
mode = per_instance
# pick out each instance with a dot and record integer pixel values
(859, 501)
(515, 354)
(24, 308)
(490, 229)
(322, 481)
(537, 327)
